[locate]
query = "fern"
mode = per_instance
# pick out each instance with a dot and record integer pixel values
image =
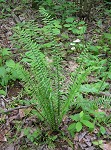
(87, 104)
(55, 54)
(45, 89)
(73, 91)
(39, 82)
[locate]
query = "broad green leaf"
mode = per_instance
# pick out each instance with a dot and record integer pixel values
(81, 23)
(10, 63)
(70, 19)
(81, 30)
(81, 114)
(34, 112)
(75, 117)
(94, 49)
(31, 139)
(65, 35)
(67, 25)
(72, 126)
(2, 71)
(57, 24)
(70, 28)
(36, 133)
(107, 36)
(95, 143)
(1, 1)
(56, 31)
(102, 130)
(2, 92)
(78, 126)
(75, 31)
(87, 123)
(99, 142)
(109, 75)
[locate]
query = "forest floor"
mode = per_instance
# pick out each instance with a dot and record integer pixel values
(82, 140)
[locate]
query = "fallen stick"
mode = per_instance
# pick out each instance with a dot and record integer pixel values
(16, 108)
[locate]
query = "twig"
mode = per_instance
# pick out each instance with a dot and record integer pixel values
(16, 108)
(21, 107)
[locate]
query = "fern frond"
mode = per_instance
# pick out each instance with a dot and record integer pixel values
(86, 104)
(55, 53)
(40, 78)
(74, 89)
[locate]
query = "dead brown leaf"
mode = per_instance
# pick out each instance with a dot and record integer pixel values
(2, 138)
(21, 113)
(11, 147)
(107, 146)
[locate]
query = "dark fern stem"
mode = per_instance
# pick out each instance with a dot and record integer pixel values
(39, 83)
(56, 56)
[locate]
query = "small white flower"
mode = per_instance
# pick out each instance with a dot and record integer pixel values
(73, 48)
(72, 44)
(79, 27)
(77, 41)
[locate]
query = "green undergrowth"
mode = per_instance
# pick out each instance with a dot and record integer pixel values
(8, 70)
(43, 82)
(41, 72)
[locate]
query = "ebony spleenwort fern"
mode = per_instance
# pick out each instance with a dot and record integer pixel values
(43, 90)
(38, 81)
(55, 53)
(39, 77)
